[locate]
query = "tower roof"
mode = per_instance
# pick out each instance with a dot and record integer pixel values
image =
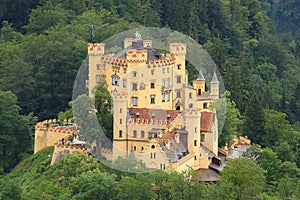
(214, 78)
(200, 76)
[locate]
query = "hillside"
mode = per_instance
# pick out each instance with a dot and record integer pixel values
(254, 43)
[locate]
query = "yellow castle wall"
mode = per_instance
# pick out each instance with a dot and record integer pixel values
(47, 136)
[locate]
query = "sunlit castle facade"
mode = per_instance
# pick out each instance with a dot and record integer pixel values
(158, 117)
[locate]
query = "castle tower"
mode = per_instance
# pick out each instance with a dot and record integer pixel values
(178, 50)
(199, 83)
(121, 146)
(95, 52)
(192, 126)
(214, 87)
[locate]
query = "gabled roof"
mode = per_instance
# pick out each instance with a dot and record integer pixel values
(206, 121)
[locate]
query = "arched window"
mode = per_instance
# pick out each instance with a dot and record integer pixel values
(115, 80)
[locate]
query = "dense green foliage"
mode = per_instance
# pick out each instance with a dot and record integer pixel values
(255, 44)
(78, 176)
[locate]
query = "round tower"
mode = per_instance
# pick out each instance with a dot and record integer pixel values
(214, 86)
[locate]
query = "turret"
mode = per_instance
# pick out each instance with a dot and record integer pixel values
(214, 86)
(120, 129)
(199, 83)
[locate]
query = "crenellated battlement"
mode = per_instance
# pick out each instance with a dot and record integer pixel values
(96, 49)
(192, 111)
(120, 96)
(136, 56)
(161, 63)
(140, 122)
(60, 150)
(178, 49)
(128, 42)
(48, 132)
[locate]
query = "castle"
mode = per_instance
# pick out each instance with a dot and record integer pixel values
(158, 116)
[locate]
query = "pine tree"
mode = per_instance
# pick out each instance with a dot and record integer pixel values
(254, 120)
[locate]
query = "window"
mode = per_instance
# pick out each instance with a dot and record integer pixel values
(134, 133)
(190, 105)
(163, 97)
(178, 79)
(163, 70)
(120, 110)
(97, 78)
(178, 94)
(163, 82)
(115, 80)
(134, 87)
(195, 157)
(152, 155)
(142, 86)
(199, 91)
(98, 66)
(120, 133)
(124, 83)
(120, 121)
(168, 97)
(190, 95)
(104, 66)
(134, 101)
(167, 83)
(142, 149)
(152, 84)
(152, 97)
(152, 72)
(204, 105)
(202, 137)
(142, 134)
(195, 142)
(179, 66)
(195, 129)
(134, 148)
(134, 74)
(168, 70)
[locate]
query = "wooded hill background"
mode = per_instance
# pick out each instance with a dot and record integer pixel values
(255, 44)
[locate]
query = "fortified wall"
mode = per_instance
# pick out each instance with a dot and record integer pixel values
(47, 134)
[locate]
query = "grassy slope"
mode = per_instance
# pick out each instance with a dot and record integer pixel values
(29, 172)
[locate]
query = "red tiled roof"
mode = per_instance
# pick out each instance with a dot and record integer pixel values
(206, 121)
(156, 114)
(167, 136)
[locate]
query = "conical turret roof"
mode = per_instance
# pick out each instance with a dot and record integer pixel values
(214, 78)
(200, 76)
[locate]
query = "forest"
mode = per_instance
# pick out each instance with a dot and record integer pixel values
(254, 43)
